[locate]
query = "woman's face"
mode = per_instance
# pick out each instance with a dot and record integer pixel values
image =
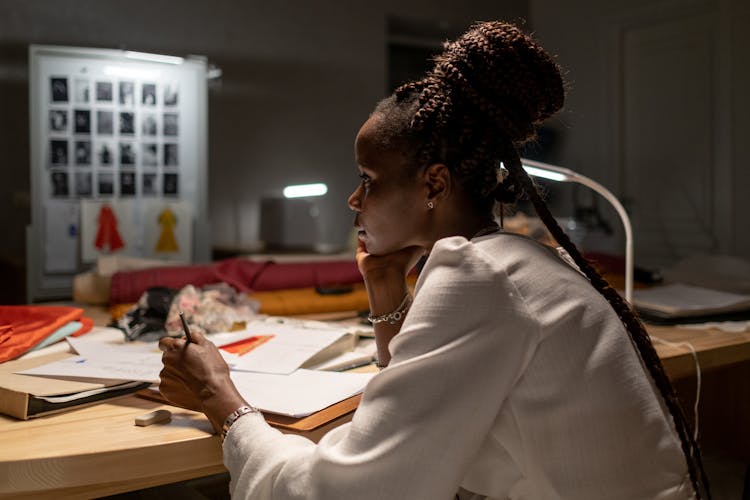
(390, 201)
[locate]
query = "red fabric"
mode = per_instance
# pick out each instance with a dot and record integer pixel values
(88, 324)
(23, 327)
(244, 275)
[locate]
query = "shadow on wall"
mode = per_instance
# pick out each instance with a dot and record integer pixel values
(13, 289)
(15, 210)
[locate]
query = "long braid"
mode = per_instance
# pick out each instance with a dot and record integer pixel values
(634, 327)
(483, 98)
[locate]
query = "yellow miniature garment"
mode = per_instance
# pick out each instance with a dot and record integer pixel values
(167, 241)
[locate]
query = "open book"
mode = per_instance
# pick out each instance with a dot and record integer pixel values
(680, 301)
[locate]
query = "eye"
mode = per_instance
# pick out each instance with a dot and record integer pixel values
(365, 180)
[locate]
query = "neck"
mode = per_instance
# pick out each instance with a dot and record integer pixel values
(464, 225)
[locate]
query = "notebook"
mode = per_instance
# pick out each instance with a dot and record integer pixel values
(678, 301)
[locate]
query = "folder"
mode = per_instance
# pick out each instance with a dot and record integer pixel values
(26, 396)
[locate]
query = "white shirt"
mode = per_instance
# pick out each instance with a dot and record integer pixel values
(511, 378)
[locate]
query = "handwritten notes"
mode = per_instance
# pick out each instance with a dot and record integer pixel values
(105, 361)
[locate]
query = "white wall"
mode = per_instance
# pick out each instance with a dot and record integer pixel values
(595, 42)
(299, 79)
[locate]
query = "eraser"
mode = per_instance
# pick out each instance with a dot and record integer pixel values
(153, 418)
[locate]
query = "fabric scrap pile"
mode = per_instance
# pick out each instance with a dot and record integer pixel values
(30, 327)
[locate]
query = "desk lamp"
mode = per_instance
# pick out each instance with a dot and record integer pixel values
(560, 174)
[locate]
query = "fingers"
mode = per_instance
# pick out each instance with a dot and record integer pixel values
(170, 344)
(198, 338)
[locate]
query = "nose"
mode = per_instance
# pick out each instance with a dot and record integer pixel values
(354, 201)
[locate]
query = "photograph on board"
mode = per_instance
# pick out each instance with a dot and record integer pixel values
(149, 186)
(148, 124)
(149, 154)
(171, 185)
(59, 89)
(82, 90)
(106, 183)
(105, 153)
(148, 94)
(170, 124)
(104, 125)
(170, 155)
(127, 183)
(171, 94)
(82, 119)
(59, 183)
(104, 91)
(127, 123)
(83, 182)
(127, 93)
(127, 153)
(58, 120)
(83, 153)
(58, 149)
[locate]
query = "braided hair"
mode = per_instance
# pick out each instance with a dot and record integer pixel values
(483, 98)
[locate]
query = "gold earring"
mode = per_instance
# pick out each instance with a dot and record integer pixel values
(430, 205)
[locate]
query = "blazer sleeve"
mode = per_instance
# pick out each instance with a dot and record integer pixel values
(464, 344)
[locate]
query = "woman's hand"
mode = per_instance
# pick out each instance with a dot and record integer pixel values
(385, 280)
(195, 376)
(398, 263)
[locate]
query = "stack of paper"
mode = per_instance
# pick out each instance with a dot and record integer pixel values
(270, 373)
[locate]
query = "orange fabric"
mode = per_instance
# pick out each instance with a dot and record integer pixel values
(88, 324)
(308, 301)
(117, 311)
(23, 327)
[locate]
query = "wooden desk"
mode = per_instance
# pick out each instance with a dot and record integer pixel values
(98, 450)
(715, 349)
(724, 409)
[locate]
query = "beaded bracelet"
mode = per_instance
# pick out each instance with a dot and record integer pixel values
(392, 317)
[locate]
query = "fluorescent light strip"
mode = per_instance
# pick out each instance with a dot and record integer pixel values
(545, 174)
(143, 56)
(300, 190)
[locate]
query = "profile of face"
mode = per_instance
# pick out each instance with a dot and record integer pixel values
(391, 200)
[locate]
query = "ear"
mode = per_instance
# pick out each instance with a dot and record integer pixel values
(437, 180)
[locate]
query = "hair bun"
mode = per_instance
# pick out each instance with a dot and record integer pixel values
(503, 74)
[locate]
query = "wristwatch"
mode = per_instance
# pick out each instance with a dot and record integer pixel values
(233, 417)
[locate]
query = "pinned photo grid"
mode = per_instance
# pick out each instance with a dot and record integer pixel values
(113, 148)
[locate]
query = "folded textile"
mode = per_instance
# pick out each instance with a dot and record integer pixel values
(310, 301)
(242, 274)
(23, 327)
(86, 326)
(59, 334)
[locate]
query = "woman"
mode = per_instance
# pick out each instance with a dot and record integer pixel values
(509, 375)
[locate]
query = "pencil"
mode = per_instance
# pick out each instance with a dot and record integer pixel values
(185, 327)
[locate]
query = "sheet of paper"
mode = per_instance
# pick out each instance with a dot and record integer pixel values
(291, 345)
(105, 361)
(300, 393)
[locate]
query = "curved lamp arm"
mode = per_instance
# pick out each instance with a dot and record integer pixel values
(560, 174)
